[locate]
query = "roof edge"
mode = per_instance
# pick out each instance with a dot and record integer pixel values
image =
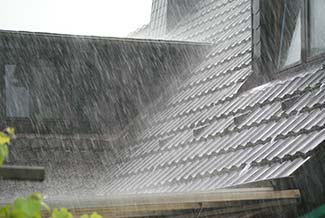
(91, 37)
(147, 200)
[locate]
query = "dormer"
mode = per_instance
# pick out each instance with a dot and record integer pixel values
(288, 35)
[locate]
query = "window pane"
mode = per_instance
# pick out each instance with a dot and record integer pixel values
(317, 27)
(32, 91)
(17, 96)
(290, 37)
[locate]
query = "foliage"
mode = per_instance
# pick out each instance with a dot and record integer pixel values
(25, 207)
(30, 206)
(61, 213)
(5, 136)
(94, 215)
(3, 153)
(5, 211)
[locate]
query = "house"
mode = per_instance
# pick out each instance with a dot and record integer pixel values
(236, 128)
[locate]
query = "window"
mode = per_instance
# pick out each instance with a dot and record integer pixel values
(289, 33)
(17, 94)
(28, 97)
(32, 93)
(317, 27)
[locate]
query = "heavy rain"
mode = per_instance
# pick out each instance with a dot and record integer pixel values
(211, 108)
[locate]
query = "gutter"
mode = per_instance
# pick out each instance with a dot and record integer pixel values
(223, 201)
(145, 205)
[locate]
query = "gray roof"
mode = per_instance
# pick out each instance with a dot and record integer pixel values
(209, 135)
(269, 142)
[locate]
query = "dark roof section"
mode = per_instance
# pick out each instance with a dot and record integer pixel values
(101, 67)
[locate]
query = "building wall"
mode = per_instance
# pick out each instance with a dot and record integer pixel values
(310, 179)
(90, 85)
(78, 166)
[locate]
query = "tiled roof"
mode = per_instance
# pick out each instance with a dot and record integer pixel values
(268, 141)
(209, 135)
(215, 21)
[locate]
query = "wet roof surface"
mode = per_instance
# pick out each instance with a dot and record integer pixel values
(266, 142)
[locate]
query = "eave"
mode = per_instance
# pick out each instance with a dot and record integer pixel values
(220, 202)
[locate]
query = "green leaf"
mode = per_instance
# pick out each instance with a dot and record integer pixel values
(5, 211)
(44, 205)
(3, 153)
(62, 213)
(4, 138)
(39, 197)
(26, 208)
(93, 215)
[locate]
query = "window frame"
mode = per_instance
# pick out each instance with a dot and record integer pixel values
(32, 125)
(306, 57)
(309, 56)
(301, 61)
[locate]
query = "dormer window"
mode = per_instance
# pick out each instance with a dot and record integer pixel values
(287, 33)
(290, 34)
(317, 27)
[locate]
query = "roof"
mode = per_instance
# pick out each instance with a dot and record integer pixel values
(268, 143)
(142, 32)
(209, 135)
